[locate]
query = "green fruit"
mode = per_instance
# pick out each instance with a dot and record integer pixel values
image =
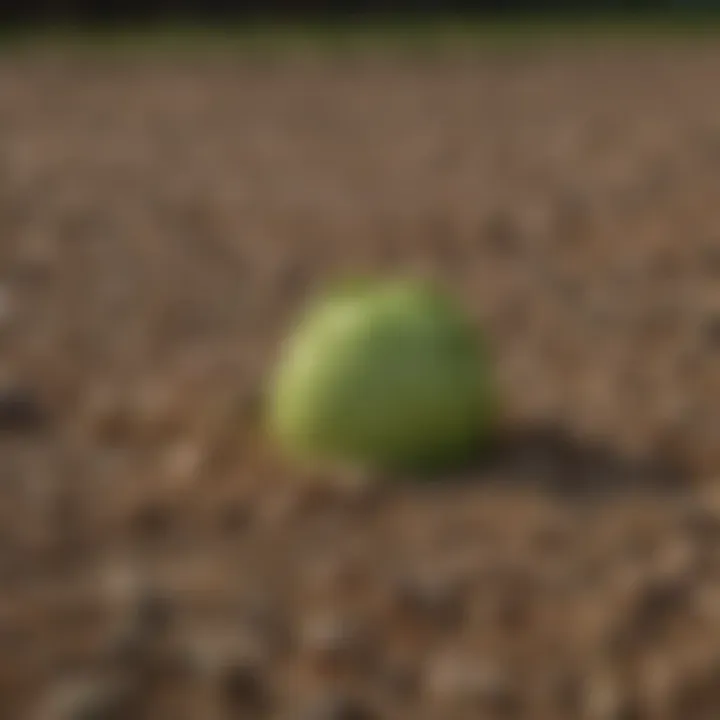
(386, 375)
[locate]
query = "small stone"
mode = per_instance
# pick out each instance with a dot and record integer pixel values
(153, 611)
(181, 464)
(338, 707)
(564, 689)
(290, 505)
(659, 598)
(551, 539)
(237, 668)
(657, 685)
(106, 413)
(251, 402)
(466, 680)
(234, 516)
(572, 212)
(341, 576)
(432, 599)
(155, 409)
(262, 615)
(243, 685)
(711, 329)
(334, 643)
(606, 699)
(695, 691)
(88, 699)
(116, 413)
(151, 520)
(6, 307)
(708, 603)
(363, 492)
(702, 521)
(710, 256)
(20, 410)
(401, 679)
(146, 620)
(502, 233)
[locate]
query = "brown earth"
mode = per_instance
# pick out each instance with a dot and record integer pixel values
(163, 219)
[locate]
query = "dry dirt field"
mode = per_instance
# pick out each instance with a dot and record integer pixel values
(162, 220)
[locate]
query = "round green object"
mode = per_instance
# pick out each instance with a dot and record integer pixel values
(382, 376)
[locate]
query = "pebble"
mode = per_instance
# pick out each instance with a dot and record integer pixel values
(659, 598)
(657, 684)
(146, 620)
(152, 611)
(564, 690)
(152, 519)
(572, 212)
(7, 310)
(649, 601)
(88, 699)
(606, 699)
(466, 680)
(711, 329)
(263, 614)
(234, 516)
(338, 707)
(709, 256)
(289, 505)
(400, 678)
(237, 666)
(20, 410)
(502, 233)
(334, 643)
(701, 521)
(431, 598)
(155, 408)
(116, 413)
(181, 464)
(106, 414)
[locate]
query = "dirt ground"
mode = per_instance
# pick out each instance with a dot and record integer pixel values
(162, 221)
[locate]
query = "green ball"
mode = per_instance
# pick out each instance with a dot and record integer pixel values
(383, 376)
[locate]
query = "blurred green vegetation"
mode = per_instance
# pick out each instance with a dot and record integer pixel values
(388, 30)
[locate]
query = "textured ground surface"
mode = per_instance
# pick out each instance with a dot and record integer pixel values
(162, 220)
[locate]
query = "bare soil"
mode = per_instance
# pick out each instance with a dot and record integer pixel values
(162, 221)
